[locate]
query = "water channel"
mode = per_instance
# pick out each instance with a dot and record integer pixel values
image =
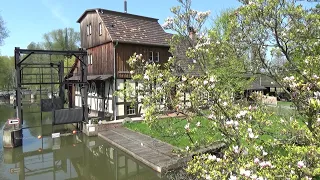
(72, 157)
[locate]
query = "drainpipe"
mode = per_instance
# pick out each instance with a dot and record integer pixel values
(114, 82)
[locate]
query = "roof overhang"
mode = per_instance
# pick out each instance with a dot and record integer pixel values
(137, 43)
(91, 78)
(84, 13)
(109, 11)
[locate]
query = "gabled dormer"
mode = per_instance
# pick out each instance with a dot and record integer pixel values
(92, 29)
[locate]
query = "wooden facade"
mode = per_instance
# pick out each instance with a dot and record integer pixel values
(112, 37)
(125, 51)
(94, 39)
(102, 59)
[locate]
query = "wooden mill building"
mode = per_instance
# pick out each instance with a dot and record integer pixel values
(110, 39)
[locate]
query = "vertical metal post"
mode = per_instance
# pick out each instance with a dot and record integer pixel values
(52, 102)
(40, 104)
(114, 82)
(116, 162)
(18, 84)
(61, 87)
(84, 90)
(41, 80)
(22, 169)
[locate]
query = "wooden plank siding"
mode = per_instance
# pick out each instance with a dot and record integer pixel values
(125, 51)
(102, 59)
(95, 39)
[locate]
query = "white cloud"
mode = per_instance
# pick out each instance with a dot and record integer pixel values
(55, 9)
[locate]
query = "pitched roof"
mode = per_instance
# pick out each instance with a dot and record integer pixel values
(183, 62)
(130, 28)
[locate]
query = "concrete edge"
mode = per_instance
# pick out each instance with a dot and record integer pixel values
(173, 147)
(149, 164)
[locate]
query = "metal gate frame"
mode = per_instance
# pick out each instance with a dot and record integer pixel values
(80, 55)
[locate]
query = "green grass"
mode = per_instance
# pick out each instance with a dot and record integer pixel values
(171, 130)
(285, 103)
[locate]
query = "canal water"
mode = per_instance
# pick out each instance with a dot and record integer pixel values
(73, 157)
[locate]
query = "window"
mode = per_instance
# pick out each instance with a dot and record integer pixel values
(89, 59)
(87, 30)
(100, 29)
(150, 56)
(154, 56)
(90, 29)
(131, 110)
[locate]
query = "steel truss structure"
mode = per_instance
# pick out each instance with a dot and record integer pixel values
(22, 63)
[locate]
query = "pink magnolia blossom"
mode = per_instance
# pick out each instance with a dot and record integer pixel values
(301, 164)
(254, 176)
(205, 82)
(184, 79)
(256, 160)
(236, 123)
(198, 124)
(212, 80)
(146, 77)
(208, 177)
(212, 157)
(212, 117)
(252, 136)
(264, 153)
(265, 164)
(168, 24)
(245, 173)
(236, 149)
(187, 127)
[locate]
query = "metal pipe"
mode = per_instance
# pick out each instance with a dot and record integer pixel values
(114, 82)
(125, 6)
(52, 52)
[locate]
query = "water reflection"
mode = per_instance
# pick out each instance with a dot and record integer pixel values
(68, 157)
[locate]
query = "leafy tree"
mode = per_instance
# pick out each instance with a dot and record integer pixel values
(3, 31)
(60, 39)
(259, 143)
(7, 73)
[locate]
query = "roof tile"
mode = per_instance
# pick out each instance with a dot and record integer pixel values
(133, 29)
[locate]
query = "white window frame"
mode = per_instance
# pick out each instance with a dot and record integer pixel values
(100, 29)
(90, 29)
(131, 110)
(87, 29)
(89, 59)
(158, 55)
(151, 57)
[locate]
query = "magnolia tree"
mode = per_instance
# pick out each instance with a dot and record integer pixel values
(259, 144)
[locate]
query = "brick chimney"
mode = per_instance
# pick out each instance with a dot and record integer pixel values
(192, 33)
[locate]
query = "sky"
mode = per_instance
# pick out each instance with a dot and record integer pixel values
(27, 21)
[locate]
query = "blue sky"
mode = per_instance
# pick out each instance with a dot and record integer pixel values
(27, 21)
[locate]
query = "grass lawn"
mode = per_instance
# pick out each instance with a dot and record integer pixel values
(285, 103)
(171, 130)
